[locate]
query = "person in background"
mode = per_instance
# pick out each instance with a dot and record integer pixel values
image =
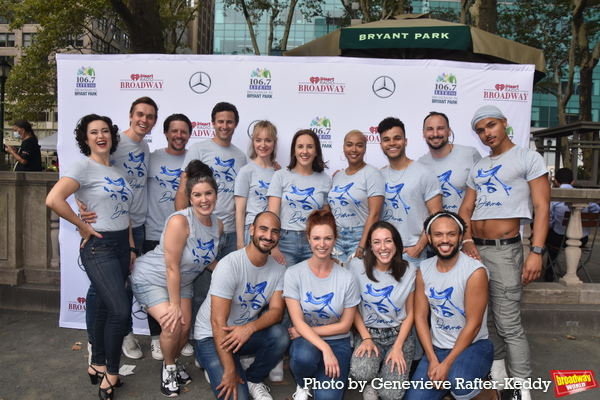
(321, 297)
(556, 234)
(355, 198)
(385, 346)
(29, 156)
(107, 244)
(297, 191)
(164, 169)
(162, 278)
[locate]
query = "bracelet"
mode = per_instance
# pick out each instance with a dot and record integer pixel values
(467, 241)
(367, 339)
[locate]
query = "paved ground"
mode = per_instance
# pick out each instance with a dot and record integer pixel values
(37, 362)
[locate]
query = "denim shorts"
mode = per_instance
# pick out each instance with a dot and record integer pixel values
(149, 295)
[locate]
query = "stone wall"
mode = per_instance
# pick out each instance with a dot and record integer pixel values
(27, 227)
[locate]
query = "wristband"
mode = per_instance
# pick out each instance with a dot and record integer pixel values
(135, 251)
(467, 241)
(367, 339)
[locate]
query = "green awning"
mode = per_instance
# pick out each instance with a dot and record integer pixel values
(435, 37)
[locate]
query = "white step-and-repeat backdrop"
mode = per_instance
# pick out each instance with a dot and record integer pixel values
(331, 95)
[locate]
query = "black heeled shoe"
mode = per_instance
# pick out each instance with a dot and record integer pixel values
(109, 392)
(94, 377)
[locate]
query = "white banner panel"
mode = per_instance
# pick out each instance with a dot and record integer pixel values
(331, 95)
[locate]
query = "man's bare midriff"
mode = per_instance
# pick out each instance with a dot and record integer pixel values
(495, 228)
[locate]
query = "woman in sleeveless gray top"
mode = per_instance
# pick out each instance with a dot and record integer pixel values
(162, 278)
(105, 245)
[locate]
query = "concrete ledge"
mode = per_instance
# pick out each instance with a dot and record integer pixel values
(561, 319)
(30, 297)
(12, 276)
(556, 293)
(43, 276)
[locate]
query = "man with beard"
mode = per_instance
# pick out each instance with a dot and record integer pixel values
(504, 190)
(450, 162)
(242, 315)
(412, 191)
(454, 286)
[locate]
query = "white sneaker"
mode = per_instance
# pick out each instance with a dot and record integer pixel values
(276, 374)
(246, 361)
(89, 349)
(521, 394)
(156, 350)
(196, 363)
(498, 373)
(169, 386)
(301, 394)
(370, 393)
(188, 350)
(206, 376)
(131, 347)
(259, 391)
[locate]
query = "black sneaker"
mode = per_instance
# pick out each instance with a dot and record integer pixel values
(183, 378)
(169, 386)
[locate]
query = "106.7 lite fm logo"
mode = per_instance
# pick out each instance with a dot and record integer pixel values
(85, 84)
(322, 127)
(260, 84)
(446, 89)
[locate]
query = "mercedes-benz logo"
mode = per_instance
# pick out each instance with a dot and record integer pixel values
(384, 87)
(251, 128)
(200, 82)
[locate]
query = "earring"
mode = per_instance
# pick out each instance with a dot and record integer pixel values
(343, 157)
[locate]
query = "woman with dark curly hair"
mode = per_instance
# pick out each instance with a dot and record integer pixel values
(106, 245)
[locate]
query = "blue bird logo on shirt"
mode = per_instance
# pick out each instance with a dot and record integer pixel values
(489, 185)
(305, 198)
(227, 172)
(445, 295)
(255, 303)
(207, 255)
(137, 164)
(396, 199)
(121, 191)
(262, 195)
(344, 190)
(322, 313)
(385, 293)
(174, 174)
(445, 180)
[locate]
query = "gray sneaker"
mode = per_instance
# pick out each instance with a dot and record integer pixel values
(370, 393)
(183, 378)
(131, 347)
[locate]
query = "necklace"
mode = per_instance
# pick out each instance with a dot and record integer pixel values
(493, 161)
(401, 175)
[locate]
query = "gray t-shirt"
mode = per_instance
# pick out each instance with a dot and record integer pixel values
(164, 171)
(452, 172)
(349, 196)
(200, 250)
(131, 158)
(105, 191)
(406, 194)
(382, 303)
(225, 162)
(445, 293)
(249, 288)
(300, 195)
(323, 300)
(502, 186)
(253, 183)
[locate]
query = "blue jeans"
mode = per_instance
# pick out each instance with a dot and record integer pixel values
(294, 247)
(106, 263)
(505, 264)
(90, 300)
(268, 346)
(306, 361)
(347, 243)
(369, 367)
(473, 362)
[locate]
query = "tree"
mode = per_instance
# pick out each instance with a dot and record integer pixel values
(153, 26)
(373, 10)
